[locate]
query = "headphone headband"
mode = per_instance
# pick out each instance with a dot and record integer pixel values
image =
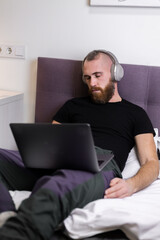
(117, 71)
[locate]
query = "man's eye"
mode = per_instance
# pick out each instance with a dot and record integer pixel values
(97, 76)
(86, 78)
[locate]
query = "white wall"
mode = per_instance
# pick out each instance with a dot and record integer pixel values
(70, 29)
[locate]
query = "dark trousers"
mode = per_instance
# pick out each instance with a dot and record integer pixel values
(54, 195)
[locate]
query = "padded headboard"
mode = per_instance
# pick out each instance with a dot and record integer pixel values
(60, 79)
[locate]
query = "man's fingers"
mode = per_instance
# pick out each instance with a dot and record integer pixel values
(118, 189)
(115, 181)
(117, 192)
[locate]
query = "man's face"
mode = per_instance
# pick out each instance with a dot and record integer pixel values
(97, 75)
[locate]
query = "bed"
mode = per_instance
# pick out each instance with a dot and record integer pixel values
(135, 217)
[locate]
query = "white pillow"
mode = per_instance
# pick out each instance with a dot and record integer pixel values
(157, 139)
(132, 165)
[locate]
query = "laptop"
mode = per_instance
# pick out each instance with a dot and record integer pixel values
(58, 146)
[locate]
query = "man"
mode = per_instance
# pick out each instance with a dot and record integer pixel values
(97, 75)
(92, 71)
(117, 125)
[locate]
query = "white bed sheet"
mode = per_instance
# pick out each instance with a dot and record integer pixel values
(137, 216)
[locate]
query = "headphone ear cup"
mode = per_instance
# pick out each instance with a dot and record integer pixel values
(118, 72)
(113, 72)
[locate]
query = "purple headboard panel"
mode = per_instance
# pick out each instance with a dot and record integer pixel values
(60, 79)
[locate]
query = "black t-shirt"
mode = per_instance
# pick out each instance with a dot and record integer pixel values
(114, 124)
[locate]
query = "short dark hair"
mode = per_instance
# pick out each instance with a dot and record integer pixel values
(92, 55)
(95, 53)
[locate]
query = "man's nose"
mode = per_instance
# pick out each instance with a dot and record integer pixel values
(93, 81)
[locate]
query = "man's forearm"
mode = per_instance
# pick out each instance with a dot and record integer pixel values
(120, 188)
(145, 176)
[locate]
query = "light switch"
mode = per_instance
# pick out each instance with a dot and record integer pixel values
(20, 51)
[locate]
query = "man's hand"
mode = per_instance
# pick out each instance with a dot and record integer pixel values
(119, 188)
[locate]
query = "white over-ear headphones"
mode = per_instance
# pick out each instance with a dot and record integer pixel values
(117, 71)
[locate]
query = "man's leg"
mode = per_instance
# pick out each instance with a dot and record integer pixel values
(6, 203)
(13, 176)
(52, 200)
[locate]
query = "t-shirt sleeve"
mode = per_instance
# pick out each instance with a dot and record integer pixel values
(63, 114)
(143, 123)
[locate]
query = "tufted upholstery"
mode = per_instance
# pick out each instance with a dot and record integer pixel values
(60, 79)
(57, 81)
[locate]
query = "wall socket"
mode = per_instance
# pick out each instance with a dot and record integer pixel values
(12, 51)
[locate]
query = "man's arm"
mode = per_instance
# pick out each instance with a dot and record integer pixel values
(120, 188)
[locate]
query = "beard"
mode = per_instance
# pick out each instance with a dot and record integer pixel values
(104, 94)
